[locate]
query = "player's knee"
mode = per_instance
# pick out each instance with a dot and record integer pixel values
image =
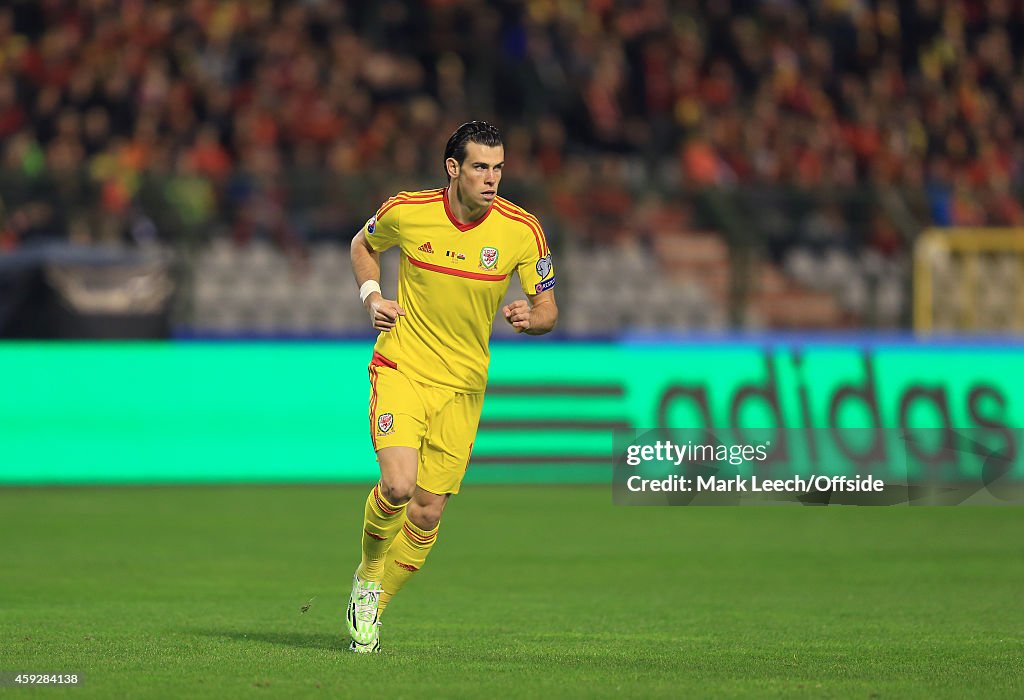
(425, 517)
(397, 490)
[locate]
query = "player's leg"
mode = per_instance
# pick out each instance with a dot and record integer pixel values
(385, 507)
(413, 542)
(385, 512)
(397, 427)
(444, 456)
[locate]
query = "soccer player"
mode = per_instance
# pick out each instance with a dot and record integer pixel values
(460, 246)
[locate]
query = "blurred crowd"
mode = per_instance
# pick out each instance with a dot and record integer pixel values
(136, 119)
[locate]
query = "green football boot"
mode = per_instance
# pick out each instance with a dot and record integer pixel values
(362, 612)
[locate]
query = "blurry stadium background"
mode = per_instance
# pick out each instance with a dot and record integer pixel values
(807, 213)
(763, 177)
(731, 165)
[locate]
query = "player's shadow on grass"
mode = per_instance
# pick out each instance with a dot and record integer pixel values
(302, 640)
(523, 652)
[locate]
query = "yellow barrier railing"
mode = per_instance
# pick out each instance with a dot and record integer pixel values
(964, 249)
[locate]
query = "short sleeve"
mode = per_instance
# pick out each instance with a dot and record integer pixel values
(535, 268)
(381, 229)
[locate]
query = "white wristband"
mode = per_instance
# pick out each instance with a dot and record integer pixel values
(368, 288)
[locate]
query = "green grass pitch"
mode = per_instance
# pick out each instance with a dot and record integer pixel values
(530, 592)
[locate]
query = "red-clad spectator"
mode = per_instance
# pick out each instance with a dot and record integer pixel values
(701, 164)
(207, 156)
(790, 93)
(12, 114)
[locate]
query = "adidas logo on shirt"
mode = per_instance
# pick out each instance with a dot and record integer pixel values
(426, 248)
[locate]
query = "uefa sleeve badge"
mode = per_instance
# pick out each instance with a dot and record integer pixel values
(544, 266)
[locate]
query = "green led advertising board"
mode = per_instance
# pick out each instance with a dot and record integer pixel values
(217, 412)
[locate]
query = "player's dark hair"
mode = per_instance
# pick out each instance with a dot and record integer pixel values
(476, 132)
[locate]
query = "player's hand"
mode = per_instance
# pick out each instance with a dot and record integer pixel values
(383, 312)
(518, 315)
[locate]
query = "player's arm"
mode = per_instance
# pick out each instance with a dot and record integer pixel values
(383, 312)
(536, 316)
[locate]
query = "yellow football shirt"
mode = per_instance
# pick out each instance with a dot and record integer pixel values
(452, 279)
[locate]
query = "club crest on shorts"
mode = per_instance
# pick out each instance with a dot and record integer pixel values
(385, 423)
(488, 258)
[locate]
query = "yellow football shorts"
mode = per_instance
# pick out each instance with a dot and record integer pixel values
(441, 424)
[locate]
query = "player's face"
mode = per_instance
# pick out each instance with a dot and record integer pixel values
(480, 173)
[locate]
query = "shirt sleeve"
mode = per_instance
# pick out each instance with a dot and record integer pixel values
(381, 229)
(535, 268)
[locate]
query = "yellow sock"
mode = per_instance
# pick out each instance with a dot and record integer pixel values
(380, 523)
(406, 557)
